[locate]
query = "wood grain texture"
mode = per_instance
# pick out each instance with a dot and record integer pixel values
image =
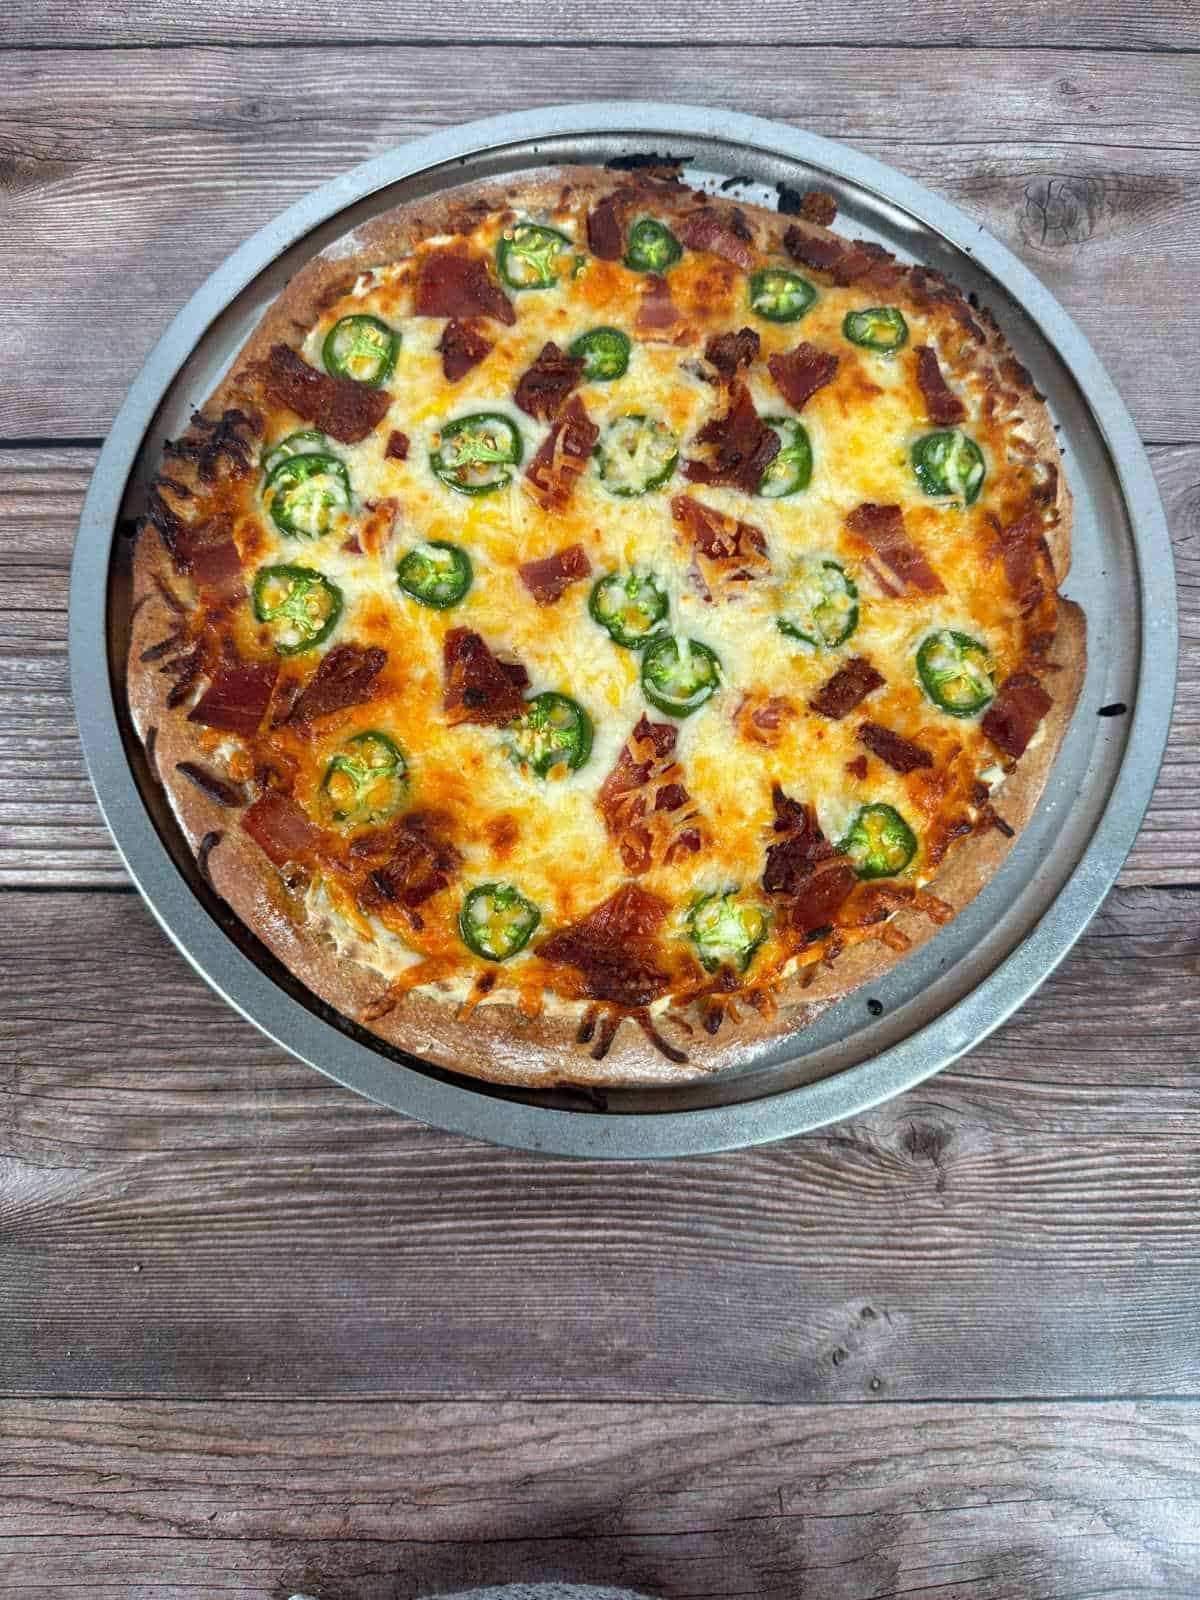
(1081, 161)
(188, 1212)
(144, 1501)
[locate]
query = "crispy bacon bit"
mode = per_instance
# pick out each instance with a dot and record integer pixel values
(902, 755)
(211, 556)
(478, 687)
(420, 862)
(1028, 565)
(345, 677)
(882, 527)
(848, 686)
(548, 579)
(209, 440)
(279, 827)
(451, 283)
(613, 948)
(723, 234)
(641, 796)
(743, 447)
(803, 869)
(844, 261)
(237, 697)
(818, 207)
(547, 383)
(729, 351)
(606, 228)
(760, 718)
(731, 553)
(461, 347)
(857, 768)
(562, 456)
(801, 372)
(209, 783)
(397, 446)
(340, 407)
(185, 670)
(942, 404)
(657, 313)
(1013, 716)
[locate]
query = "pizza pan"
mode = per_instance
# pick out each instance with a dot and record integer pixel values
(955, 988)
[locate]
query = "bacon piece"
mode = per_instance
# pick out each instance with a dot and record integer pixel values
(882, 527)
(900, 754)
(818, 207)
(942, 404)
(656, 312)
(217, 566)
(729, 351)
(420, 862)
(478, 687)
(548, 579)
(279, 827)
(461, 347)
(848, 686)
(731, 553)
(760, 718)
(1013, 716)
(801, 372)
(237, 697)
(723, 234)
(397, 446)
(547, 383)
(802, 868)
(450, 283)
(1028, 565)
(345, 677)
(613, 948)
(857, 768)
(562, 456)
(639, 792)
(844, 260)
(743, 447)
(606, 228)
(340, 407)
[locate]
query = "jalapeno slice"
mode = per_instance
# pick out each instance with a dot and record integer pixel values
(299, 605)
(552, 731)
(791, 469)
(876, 328)
(949, 463)
(532, 257)
(679, 675)
(604, 353)
(307, 442)
(818, 602)
(725, 930)
(777, 295)
(630, 606)
(636, 454)
(361, 347)
(652, 247)
(879, 842)
(475, 454)
(956, 672)
(496, 921)
(306, 494)
(366, 781)
(436, 574)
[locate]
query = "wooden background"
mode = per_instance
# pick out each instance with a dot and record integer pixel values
(257, 1336)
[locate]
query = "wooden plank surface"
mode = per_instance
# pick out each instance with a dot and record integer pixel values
(372, 1502)
(125, 184)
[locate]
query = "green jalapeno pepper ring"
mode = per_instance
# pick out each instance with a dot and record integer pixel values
(604, 353)
(365, 782)
(820, 603)
(496, 921)
(474, 453)
(526, 256)
(679, 675)
(779, 295)
(306, 442)
(880, 328)
(955, 672)
(630, 606)
(637, 454)
(652, 247)
(791, 469)
(436, 574)
(879, 842)
(301, 612)
(361, 347)
(552, 731)
(305, 492)
(726, 932)
(949, 463)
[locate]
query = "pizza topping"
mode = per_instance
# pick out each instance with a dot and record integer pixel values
(613, 948)
(641, 797)
(562, 456)
(279, 827)
(532, 257)
(546, 385)
(638, 454)
(299, 606)
(657, 314)
(461, 347)
(478, 687)
(307, 495)
(848, 687)
(900, 754)
(726, 930)
(742, 446)
(420, 863)
(630, 606)
(845, 262)
(679, 675)
(361, 347)
(345, 677)
(778, 295)
(345, 410)
(366, 781)
(1012, 719)
(474, 455)
(237, 697)
(305, 442)
(496, 921)
(606, 228)
(1028, 565)
(791, 469)
(652, 247)
(802, 868)
(721, 234)
(604, 353)
(879, 842)
(436, 574)
(882, 528)
(949, 463)
(213, 557)
(760, 718)
(731, 552)
(553, 731)
(817, 602)
(955, 672)
(549, 579)
(451, 283)
(397, 446)
(801, 372)
(941, 403)
(878, 328)
(730, 351)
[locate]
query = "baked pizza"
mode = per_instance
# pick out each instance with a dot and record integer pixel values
(597, 624)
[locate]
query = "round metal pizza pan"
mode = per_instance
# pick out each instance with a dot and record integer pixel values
(953, 990)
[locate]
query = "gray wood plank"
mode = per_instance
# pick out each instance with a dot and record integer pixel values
(145, 1501)
(51, 832)
(184, 1211)
(1082, 161)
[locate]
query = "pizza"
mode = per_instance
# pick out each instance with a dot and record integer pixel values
(597, 624)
